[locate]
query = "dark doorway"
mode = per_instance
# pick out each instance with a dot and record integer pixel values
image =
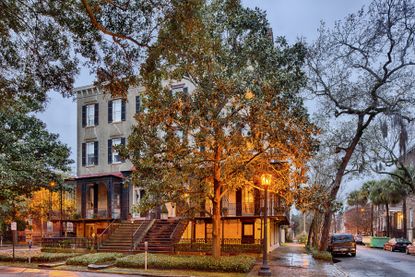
(248, 233)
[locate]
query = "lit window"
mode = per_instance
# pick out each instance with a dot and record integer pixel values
(115, 155)
(116, 110)
(90, 115)
(90, 153)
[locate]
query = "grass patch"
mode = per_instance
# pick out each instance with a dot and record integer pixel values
(96, 258)
(36, 256)
(207, 263)
(321, 255)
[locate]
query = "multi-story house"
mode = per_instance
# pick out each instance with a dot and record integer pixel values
(104, 195)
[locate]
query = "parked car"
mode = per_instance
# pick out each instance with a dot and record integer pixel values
(358, 239)
(395, 244)
(410, 249)
(342, 244)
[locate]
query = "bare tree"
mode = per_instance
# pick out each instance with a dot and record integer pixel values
(358, 70)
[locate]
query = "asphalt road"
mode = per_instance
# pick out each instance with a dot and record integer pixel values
(376, 262)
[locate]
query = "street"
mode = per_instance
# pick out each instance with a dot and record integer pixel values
(376, 262)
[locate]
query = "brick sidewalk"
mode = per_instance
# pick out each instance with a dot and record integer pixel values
(292, 260)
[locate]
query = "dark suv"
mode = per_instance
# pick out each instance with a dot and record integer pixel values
(342, 244)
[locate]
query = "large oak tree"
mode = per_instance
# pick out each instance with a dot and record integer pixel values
(241, 113)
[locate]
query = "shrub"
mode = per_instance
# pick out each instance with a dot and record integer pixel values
(321, 255)
(302, 238)
(96, 258)
(207, 263)
(36, 256)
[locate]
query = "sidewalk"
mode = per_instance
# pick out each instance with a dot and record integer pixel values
(292, 260)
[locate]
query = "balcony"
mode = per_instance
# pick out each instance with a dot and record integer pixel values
(248, 209)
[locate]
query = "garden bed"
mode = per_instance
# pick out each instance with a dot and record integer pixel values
(96, 258)
(36, 256)
(206, 263)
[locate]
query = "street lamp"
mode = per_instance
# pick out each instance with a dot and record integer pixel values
(265, 270)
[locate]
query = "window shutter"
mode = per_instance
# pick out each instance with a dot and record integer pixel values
(83, 154)
(109, 111)
(83, 116)
(122, 141)
(96, 115)
(185, 90)
(122, 110)
(137, 104)
(96, 154)
(110, 151)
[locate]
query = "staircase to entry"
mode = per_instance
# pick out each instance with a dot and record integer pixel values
(160, 235)
(121, 238)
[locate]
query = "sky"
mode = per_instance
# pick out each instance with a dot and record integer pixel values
(290, 18)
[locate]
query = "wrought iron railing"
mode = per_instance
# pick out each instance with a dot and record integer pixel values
(106, 233)
(178, 230)
(228, 245)
(140, 232)
(67, 242)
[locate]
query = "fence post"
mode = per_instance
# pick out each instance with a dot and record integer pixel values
(145, 254)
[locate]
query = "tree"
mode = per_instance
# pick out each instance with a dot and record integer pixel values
(44, 201)
(43, 43)
(359, 70)
(244, 116)
(385, 192)
(30, 156)
(357, 198)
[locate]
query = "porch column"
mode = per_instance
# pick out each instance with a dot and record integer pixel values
(83, 200)
(96, 199)
(110, 192)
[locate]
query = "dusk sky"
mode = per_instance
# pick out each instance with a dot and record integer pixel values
(289, 18)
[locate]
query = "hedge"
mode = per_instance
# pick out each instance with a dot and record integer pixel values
(96, 258)
(36, 257)
(64, 250)
(206, 263)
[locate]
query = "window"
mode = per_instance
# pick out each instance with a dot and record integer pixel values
(90, 153)
(90, 115)
(411, 218)
(113, 155)
(116, 110)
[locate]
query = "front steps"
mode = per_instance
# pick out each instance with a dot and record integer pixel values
(161, 234)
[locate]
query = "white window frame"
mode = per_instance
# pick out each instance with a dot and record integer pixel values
(116, 159)
(116, 110)
(90, 115)
(90, 153)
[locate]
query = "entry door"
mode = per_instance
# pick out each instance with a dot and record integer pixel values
(248, 234)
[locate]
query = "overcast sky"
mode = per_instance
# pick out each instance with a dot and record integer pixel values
(289, 18)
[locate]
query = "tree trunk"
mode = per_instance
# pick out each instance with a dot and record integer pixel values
(371, 219)
(387, 220)
(361, 125)
(310, 231)
(404, 217)
(216, 217)
(357, 219)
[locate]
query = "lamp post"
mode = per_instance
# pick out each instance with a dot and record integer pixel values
(52, 184)
(265, 270)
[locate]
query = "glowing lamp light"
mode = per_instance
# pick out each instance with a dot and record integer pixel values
(266, 180)
(52, 184)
